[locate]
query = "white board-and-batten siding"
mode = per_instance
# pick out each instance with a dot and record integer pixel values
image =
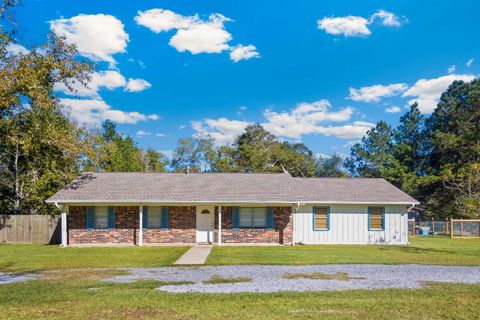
(349, 225)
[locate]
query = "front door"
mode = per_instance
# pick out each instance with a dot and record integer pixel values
(205, 224)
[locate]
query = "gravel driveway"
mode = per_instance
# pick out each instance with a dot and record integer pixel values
(10, 278)
(269, 278)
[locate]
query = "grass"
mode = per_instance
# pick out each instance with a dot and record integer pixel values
(216, 279)
(85, 297)
(422, 250)
(33, 258)
(342, 276)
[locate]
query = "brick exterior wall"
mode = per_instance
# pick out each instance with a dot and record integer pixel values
(280, 234)
(181, 228)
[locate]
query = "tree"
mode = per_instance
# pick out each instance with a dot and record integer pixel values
(154, 161)
(331, 167)
(453, 132)
(39, 147)
(373, 157)
(185, 156)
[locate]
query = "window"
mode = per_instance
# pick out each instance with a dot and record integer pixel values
(376, 218)
(321, 218)
(101, 217)
(253, 218)
(154, 217)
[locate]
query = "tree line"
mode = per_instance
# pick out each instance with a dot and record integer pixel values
(434, 158)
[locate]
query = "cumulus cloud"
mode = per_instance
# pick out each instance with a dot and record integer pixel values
(388, 19)
(137, 85)
(15, 49)
(242, 52)
(356, 26)
(427, 92)
(96, 36)
(142, 133)
(376, 92)
(109, 79)
(194, 34)
(350, 26)
(393, 109)
(92, 112)
(305, 119)
(222, 131)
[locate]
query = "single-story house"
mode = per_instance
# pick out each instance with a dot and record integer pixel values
(230, 208)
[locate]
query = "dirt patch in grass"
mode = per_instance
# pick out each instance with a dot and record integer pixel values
(86, 274)
(216, 279)
(342, 276)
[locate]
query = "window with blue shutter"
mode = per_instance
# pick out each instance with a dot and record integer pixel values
(235, 218)
(164, 217)
(90, 218)
(270, 211)
(111, 217)
(145, 217)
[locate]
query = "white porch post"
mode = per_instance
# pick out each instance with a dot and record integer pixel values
(140, 232)
(63, 221)
(219, 225)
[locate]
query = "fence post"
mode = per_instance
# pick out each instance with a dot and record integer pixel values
(451, 228)
(433, 226)
(461, 227)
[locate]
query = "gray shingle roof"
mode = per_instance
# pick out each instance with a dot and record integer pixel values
(134, 187)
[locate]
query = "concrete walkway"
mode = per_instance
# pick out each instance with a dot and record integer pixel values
(197, 255)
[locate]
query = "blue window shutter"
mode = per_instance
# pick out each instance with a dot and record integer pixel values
(145, 217)
(90, 219)
(111, 217)
(383, 219)
(164, 222)
(235, 217)
(270, 218)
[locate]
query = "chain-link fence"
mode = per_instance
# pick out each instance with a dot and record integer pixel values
(465, 228)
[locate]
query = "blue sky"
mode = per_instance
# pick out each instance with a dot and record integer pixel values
(320, 72)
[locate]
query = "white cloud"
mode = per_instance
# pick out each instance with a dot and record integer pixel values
(109, 79)
(222, 131)
(182, 127)
(160, 20)
(470, 62)
(96, 36)
(142, 133)
(452, 69)
(355, 26)
(376, 92)
(194, 34)
(136, 85)
(350, 26)
(393, 109)
(388, 19)
(351, 143)
(92, 112)
(15, 49)
(242, 52)
(304, 119)
(161, 135)
(427, 92)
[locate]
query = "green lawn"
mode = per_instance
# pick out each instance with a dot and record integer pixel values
(426, 250)
(80, 296)
(32, 258)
